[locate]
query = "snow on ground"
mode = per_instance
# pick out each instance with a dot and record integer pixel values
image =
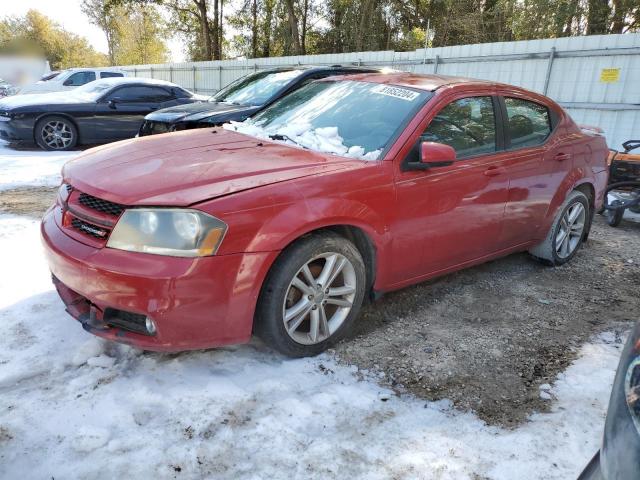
(20, 168)
(73, 406)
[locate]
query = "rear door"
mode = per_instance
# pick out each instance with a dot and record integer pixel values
(536, 166)
(120, 113)
(453, 214)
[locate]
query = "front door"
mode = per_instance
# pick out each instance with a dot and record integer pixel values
(120, 114)
(453, 214)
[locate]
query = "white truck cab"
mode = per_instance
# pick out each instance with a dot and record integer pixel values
(70, 79)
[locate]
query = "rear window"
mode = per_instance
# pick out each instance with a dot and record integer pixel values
(529, 123)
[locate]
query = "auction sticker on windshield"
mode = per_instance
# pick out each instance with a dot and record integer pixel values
(402, 93)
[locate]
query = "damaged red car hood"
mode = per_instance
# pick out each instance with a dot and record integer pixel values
(184, 168)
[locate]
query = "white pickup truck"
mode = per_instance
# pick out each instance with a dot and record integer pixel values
(70, 79)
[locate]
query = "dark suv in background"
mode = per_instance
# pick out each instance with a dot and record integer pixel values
(242, 98)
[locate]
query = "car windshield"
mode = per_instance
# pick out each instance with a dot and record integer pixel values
(255, 89)
(49, 76)
(92, 91)
(349, 118)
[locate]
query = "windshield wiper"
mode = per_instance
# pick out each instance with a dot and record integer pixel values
(280, 137)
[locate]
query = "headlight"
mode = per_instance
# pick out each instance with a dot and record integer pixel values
(5, 118)
(167, 231)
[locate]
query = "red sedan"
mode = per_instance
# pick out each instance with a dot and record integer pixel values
(343, 190)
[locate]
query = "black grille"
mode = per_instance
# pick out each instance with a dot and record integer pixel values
(103, 206)
(89, 229)
(134, 322)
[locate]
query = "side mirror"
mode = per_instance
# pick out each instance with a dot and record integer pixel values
(113, 102)
(432, 154)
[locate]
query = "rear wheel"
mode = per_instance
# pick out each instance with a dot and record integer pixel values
(567, 231)
(56, 133)
(311, 296)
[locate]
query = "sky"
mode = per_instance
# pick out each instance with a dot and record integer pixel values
(68, 14)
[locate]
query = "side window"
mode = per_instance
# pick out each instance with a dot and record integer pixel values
(468, 125)
(79, 78)
(142, 94)
(529, 123)
(110, 74)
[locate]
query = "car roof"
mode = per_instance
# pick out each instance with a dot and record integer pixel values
(137, 80)
(428, 82)
(102, 69)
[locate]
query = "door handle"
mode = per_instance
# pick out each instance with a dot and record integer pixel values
(561, 157)
(494, 171)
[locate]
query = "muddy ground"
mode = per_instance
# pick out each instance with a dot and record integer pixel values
(487, 337)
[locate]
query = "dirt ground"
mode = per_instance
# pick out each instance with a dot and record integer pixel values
(486, 337)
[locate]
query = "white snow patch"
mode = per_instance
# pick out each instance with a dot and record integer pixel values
(245, 412)
(325, 139)
(19, 168)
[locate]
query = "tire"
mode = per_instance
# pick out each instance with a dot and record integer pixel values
(56, 133)
(548, 250)
(614, 217)
(289, 291)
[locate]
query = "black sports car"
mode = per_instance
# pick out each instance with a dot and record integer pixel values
(619, 457)
(241, 98)
(98, 112)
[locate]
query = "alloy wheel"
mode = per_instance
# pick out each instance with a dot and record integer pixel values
(57, 135)
(570, 230)
(319, 298)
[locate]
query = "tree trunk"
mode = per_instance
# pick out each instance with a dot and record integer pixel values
(598, 17)
(305, 16)
(266, 47)
(618, 17)
(254, 29)
(204, 27)
(293, 27)
(365, 18)
(220, 31)
(216, 35)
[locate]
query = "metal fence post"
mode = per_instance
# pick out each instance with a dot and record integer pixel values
(135, 72)
(436, 62)
(151, 70)
(219, 77)
(194, 79)
(171, 74)
(552, 54)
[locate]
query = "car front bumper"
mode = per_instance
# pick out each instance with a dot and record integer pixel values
(10, 131)
(195, 303)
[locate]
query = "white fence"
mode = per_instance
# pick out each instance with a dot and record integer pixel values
(597, 78)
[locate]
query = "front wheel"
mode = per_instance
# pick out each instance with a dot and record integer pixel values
(311, 296)
(567, 231)
(56, 133)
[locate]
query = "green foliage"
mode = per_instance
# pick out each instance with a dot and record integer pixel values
(135, 33)
(35, 34)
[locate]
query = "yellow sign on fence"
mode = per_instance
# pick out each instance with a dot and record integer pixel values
(609, 75)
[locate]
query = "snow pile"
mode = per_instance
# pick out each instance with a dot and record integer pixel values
(326, 139)
(20, 168)
(74, 406)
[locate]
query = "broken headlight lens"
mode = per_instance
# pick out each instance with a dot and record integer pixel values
(165, 231)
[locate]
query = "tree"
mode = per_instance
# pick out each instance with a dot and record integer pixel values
(36, 34)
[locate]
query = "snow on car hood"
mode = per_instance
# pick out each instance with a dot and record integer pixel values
(188, 167)
(324, 139)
